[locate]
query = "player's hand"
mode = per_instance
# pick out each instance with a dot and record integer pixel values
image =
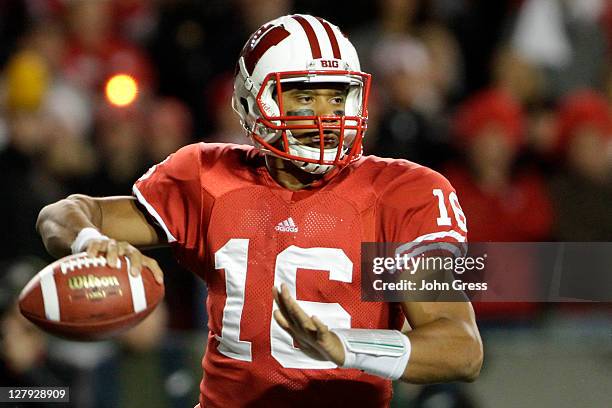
(112, 250)
(312, 335)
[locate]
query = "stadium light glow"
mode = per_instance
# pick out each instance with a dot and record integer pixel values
(121, 90)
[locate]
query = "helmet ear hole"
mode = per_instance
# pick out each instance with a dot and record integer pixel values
(245, 104)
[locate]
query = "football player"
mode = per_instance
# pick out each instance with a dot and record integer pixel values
(291, 213)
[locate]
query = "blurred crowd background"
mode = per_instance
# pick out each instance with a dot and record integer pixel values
(510, 99)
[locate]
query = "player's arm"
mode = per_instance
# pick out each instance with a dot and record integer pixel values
(112, 226)
(116, 217)
(170, 195)
(445, 342)
(443, 346)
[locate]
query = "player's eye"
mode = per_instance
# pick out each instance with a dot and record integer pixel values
(305, 99)
(338, 100)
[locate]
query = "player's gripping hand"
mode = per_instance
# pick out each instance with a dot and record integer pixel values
(112, 250)
(312, 335)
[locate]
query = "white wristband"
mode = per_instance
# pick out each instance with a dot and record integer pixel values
(384, 353)
(83, 238)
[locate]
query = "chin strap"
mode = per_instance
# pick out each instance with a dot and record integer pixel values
(298, 149)
(312, 168)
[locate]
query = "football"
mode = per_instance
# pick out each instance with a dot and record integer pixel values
(82, 298)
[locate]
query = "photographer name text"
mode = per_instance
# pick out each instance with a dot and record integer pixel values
(434, 285)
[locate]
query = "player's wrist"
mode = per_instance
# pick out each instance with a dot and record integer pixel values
(384, 353)
(84, 237)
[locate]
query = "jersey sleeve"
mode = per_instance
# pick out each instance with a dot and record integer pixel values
(170, 192)
(421, 212)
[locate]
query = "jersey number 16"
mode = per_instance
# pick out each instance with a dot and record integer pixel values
(233, 257)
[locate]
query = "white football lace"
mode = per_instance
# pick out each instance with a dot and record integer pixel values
(78, 263)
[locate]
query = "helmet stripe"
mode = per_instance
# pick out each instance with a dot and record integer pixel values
(252, 55)
(312, 37)
(332, 38)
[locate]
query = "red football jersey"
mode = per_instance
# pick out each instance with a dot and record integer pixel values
(234, 226)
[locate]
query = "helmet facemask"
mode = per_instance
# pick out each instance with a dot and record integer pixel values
(278, 133)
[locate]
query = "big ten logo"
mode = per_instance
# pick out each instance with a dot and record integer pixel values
(329, 64)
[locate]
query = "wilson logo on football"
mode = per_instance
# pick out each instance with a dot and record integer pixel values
(287, 226)
(92, 282)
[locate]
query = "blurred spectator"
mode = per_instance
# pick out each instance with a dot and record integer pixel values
(206, 41)
(169, 128)
(48, 38)
(567, 38)
(583, 190)
(26, 182)
(405, 129)
(394, 19)
(119, 139)
(27, 82)
(447, 63)
(69, 109)
(95, 51)
(479, 26)
(404, 64)
(43, 52)
(65, 101)
(490, 130)
(135, 19)
(418, 66)
(266, 10)
(140, 364)
(502, 203)
(518, 77)
(227, 125)
(541, 134)
(524, 81)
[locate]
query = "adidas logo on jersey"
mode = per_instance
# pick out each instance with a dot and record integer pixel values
(287, 226)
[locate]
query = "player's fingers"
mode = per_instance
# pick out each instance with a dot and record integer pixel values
(290, 310)
(280, 319)
(92, 249)
(296, 312)
(95, 246)
(154, 267)
(300, 340)
(111, 254)
(322, 329)
(281, 305)
(280, 302)
(282, 322)
(275, 294)
(135, 258)
(122, 248)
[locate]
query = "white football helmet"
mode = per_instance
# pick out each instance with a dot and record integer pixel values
(305, 49)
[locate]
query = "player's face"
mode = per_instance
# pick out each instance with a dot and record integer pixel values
(314, 100)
